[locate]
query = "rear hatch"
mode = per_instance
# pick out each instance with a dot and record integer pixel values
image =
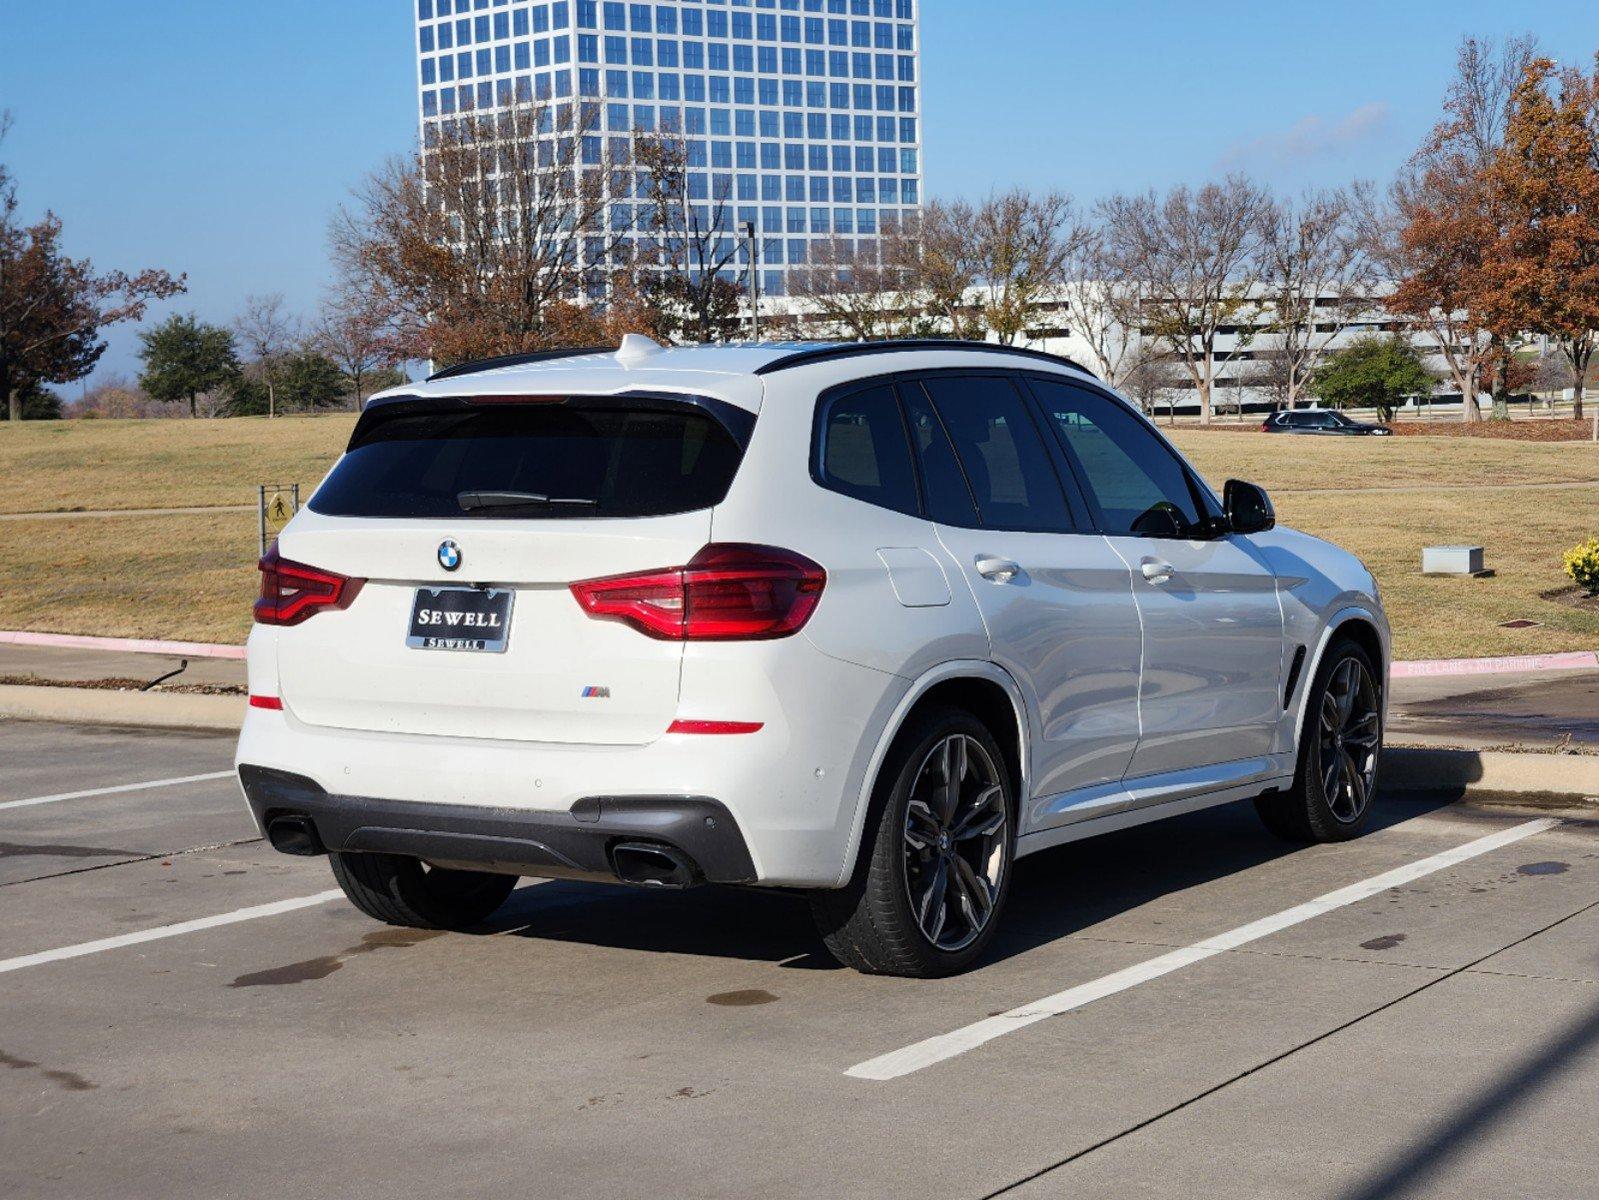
(466, 521)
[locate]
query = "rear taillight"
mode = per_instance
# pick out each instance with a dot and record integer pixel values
(727, 592)
(292, 592)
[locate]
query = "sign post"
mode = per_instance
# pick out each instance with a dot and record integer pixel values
(277, 503)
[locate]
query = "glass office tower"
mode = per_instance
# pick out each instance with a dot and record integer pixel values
(804, 114)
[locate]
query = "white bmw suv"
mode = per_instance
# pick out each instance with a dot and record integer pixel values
(870, 621)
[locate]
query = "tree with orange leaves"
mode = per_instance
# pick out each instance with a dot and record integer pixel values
(1544, 275)
(1444, 224)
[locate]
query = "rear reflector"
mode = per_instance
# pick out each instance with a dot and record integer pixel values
(715, 726)
(727, 592)
(292, 592)
(269, 702)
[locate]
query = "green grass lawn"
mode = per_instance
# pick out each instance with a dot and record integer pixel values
(1280, 461)
(60, 466)
(193, 576)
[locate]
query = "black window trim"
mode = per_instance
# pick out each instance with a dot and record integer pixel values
(899, 386)
(1205, 500)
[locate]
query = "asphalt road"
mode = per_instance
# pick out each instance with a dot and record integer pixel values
(184, 1013)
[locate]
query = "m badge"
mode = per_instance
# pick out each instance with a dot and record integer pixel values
(596, 693)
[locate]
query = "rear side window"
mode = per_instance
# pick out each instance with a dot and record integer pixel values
(1000, 449)
(864, 453)
(541, 461)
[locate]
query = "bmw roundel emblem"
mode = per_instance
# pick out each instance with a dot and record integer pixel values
(449, 555)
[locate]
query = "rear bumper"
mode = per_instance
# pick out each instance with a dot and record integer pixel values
(579, 844)
(793, 788)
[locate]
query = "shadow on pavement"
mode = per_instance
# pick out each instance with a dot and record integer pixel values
(1054, 894)
(1472, 1123)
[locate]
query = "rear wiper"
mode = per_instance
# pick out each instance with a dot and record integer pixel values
(473, 500)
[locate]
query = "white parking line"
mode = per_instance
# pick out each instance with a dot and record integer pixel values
(945, 1046)
(167, 931)
(111, 791)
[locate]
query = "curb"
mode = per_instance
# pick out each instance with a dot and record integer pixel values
(1428, 769)
(149, 709)
(77, 641)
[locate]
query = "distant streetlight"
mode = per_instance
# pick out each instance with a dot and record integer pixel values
(755, 282)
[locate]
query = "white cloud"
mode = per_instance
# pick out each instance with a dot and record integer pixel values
(1312, 137)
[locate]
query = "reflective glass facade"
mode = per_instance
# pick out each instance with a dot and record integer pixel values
(806, 114)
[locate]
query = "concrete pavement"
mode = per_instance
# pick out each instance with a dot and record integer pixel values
(1437, 1038)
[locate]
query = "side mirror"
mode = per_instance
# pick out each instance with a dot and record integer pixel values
(1248, 507)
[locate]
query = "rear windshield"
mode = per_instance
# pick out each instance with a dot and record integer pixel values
(543, 462)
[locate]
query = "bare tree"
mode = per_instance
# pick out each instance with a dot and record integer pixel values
(1436, 232)
(486, 240)
(866, 292)
(1151, 377)
(1195, 251)
(949, 266)
(1102, 307)
(1023, 242)
(1314, 278)
(269, 332)
(688, 248)
(350, 333)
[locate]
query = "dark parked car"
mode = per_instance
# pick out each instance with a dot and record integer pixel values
(1321, 420)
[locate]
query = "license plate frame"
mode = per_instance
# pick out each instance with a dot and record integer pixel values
(470, 633)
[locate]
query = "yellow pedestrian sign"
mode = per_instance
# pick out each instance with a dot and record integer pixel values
(278, 502)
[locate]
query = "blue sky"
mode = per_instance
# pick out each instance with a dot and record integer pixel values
(216, 136)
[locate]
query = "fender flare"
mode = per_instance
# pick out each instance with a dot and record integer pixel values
(1341, 616)
(956, 669)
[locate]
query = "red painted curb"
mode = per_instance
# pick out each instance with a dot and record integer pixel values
(76, 641)
(1575, 660)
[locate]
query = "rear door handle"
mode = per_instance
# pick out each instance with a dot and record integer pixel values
(1000, 570)
(1157, 571)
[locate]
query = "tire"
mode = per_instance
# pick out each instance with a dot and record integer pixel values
(1308, 811)
(405, 891)
(910, 841)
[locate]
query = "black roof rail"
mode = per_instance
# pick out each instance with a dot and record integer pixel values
(804, 358)
(516, 360)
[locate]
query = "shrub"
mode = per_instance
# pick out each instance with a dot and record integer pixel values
(1582, 564)
(1372, 372)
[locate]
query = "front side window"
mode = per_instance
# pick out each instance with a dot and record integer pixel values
(864, 453)
(1140, 486)
(1001, 453)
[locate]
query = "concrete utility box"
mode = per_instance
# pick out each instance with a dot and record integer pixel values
(1452, 560)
